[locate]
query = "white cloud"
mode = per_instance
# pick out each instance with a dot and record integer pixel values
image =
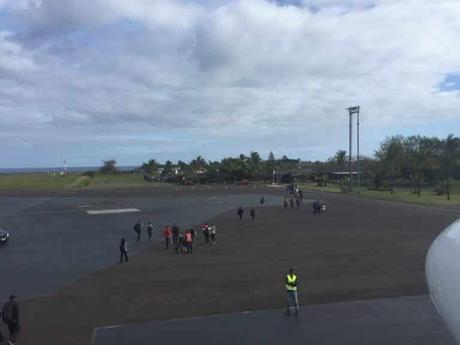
(13, 59)
(247, 69)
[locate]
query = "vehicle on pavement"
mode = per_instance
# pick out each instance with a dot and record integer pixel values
(4, 236)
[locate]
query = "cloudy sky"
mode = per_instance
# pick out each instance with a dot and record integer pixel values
(84, 81)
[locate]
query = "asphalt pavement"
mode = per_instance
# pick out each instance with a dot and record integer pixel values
(396, 321)
(54, 241)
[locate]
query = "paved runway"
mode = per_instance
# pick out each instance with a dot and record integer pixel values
(54, 241)
(396, 321)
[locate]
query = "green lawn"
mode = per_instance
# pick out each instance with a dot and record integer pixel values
(120, 180)
(404, 194)
(36, 181)
(427, 196)
(333, 188)
(71, 181)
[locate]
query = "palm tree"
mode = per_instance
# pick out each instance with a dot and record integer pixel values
(254, 164)
(340, 158)
(198, 164)
(167, 168)
(151, 166)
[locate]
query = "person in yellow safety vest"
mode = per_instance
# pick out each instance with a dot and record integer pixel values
(291, 289)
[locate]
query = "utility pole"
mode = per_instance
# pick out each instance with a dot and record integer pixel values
(351, 111)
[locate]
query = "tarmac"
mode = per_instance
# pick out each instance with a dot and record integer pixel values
(396, 321)
(54, 241)
(360, 249)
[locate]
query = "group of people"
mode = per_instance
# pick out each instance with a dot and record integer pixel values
(181, 241)
(289, 202)
(294, 189)
(319, 207)
(252, 211)
(10, 317)
(138, 227)
(209, 233)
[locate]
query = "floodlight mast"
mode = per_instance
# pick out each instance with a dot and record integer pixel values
(350, 154)
(351, 111)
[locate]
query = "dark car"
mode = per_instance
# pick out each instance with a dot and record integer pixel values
(4, 236)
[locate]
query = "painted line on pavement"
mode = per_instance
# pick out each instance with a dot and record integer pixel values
(113, 211)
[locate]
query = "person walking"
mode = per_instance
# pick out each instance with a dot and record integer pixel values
(291, 203)
(123, 250)
(253, 214)
(149, 230)
(212, 233)
(316, 207)
(206, 233)
(167, 236)
(189, 241)
(193, 232)
(291, 290)
(297, 202)
(10, 316)
(180, 244)
(285, 203)
(175, 234)
(262, 200)
(137, 230)
(240, 212)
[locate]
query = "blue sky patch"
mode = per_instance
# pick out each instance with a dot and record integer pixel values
(451, 82)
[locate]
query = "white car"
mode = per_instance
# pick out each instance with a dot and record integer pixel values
(4, 236)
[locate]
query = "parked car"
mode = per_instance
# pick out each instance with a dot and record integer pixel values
(4, 236)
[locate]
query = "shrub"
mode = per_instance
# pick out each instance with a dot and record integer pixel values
(89, 173)
(109, 167)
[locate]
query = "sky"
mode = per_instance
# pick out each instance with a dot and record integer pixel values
(131, 80)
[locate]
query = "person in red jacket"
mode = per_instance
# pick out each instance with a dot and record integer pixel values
(189, 241)
(167, 233)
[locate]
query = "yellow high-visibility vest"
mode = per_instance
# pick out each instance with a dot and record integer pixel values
(291, 282)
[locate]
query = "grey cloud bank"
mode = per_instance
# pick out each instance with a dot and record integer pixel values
(131, 80)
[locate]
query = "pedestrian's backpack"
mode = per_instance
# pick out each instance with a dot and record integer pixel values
(8, 312)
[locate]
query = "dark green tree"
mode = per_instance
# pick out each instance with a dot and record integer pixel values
(340, 159)
(109, 167)
(391, 154)
(450, 158)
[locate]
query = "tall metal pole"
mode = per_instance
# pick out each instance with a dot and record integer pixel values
(351, 111)
(350, 153)
(357, 157)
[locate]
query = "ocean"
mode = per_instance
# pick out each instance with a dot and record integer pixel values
(57, 169)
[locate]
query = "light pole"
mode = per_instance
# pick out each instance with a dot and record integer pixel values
(351, 111)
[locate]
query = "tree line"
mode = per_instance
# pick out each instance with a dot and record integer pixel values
(418, 159)
(403, 161)
(251, 167)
